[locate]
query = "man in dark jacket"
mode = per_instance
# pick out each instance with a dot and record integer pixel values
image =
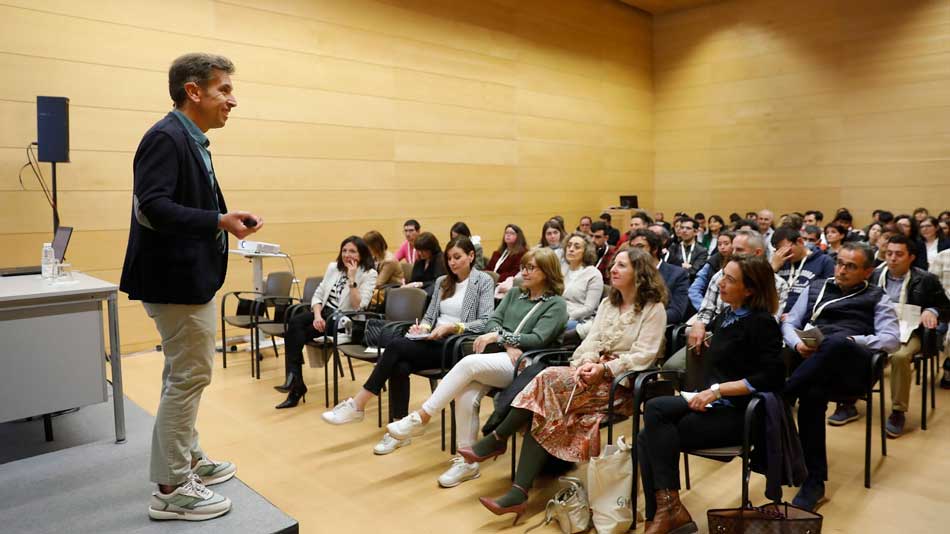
(688, 253)
(913, 291)
(855, 319)
(797, 264)
(175, 262)
(677, 281)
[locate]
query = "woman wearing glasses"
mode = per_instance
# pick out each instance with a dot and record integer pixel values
(531, 316)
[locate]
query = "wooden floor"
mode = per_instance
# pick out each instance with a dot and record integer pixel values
(328, 478)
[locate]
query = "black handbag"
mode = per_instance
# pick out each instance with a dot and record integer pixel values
(380, 333)
(772, 518)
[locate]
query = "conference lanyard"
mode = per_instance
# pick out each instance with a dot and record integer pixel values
(602, 258)
(902, 298)
(686, 257)
(818, 308)
(792, 276)
(501, 259)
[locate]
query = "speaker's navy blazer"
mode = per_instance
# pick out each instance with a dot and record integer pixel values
(174, 254)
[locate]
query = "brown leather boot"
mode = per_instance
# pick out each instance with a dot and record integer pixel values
(671, 516)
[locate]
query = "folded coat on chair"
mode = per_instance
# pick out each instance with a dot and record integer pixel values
(778, 452)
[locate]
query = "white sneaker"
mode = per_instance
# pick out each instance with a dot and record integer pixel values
(408, 426)
(191, 501)
(343, 413)
(212, 472)
(459, 472)
(388, 444)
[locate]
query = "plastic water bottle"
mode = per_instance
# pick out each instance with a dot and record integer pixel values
(48, 261)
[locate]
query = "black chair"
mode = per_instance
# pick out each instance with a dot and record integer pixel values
(283, 306)
(277, 284)
(875, 376)
(929, 353)
(649, 385)
(404, 305)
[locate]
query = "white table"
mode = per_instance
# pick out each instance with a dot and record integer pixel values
(53, 347)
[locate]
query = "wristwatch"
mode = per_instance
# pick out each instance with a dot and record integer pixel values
(715, 389)
(353, 285)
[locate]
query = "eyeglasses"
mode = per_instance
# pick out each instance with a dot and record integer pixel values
(529, 268)
(926, 225)
(850, 267)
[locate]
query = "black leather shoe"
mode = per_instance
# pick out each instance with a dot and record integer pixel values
(294, 397)
(288, 383)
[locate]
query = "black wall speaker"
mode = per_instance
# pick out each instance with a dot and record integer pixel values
(52, 128)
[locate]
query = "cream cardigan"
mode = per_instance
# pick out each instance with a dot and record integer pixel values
(634, 337)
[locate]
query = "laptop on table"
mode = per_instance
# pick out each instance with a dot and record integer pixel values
(60, 242)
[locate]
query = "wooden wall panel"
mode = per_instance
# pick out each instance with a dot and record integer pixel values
(353, 115)
(803, 105)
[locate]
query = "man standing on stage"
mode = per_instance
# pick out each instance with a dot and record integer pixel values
(175, 262)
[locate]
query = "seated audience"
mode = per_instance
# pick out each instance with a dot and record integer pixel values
(920, 214)
(507, 258)
(743, 357)
(552, 237)
(797, 264)
(584, 224)
(387, 267)
(429, 263)
(675, 278)
(764, 220)
(911, 228)
(688, 253)
(697, 289)
(665, 244)
(745, 224)
(613, 235)
(461, 229)
(813, 237)
(583, 283)
(710, 238)
(944, 227)
(638, 221)
(463, 303)
(855, 318)
(873, 232)
(347, 286)
(562, 408)
(933, 238)
(407, 251)
(529, 317)
(603, 250)
(907, 286)
(834, 236)
(752, 216)
(658, 219)
(814, 218)
(941, 268)
(746, 243)
(700, 219)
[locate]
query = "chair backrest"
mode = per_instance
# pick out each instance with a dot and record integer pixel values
(278, 284)
(406, 271)
(493, 275)
(310, 287)
(405, 304)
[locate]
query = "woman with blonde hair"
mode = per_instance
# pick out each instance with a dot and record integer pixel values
(387, 267)
(531, 316)
(562, 408)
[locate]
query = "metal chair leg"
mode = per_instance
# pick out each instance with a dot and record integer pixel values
(686, 469)
(923, 393)
(350, 362)
(514, 455)
(869, 400)
(273, 342)
(453, 431)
